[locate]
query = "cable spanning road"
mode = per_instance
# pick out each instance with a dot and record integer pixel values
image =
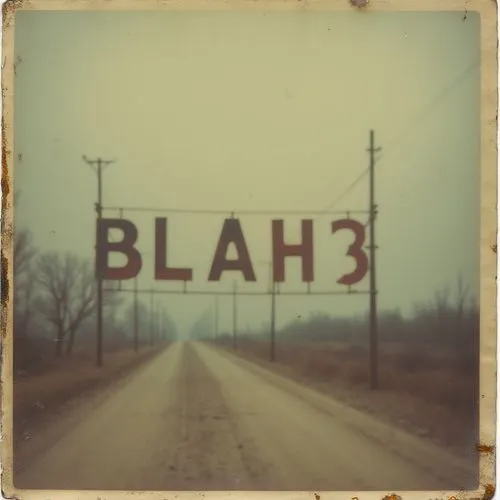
(196, 418)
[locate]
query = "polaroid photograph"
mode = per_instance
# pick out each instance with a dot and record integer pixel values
(249, 249)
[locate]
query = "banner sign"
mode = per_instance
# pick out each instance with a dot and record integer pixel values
(231, 233)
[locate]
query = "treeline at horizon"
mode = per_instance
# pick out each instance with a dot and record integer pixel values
(447, 325)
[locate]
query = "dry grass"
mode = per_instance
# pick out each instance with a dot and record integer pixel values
(423, 391)
(430, 375)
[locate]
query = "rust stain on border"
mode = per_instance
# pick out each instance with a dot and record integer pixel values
(393, 496)
(485, 448)
(9, 9)
(6, 234)
(359, 5)
(489, 492)
(5, 180)
(4, 281)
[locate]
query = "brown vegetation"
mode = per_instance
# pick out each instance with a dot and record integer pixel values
(425, 392)
(432, 376)
(428, 364)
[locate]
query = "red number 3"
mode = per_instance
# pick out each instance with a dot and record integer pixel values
(355, 250)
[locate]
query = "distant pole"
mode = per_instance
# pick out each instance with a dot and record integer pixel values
(156, 318)
(159, 330)
(168, 328)
(120, 281)
(98, 165)
(216, 319)
(157, 322)
(151, 318)
(273, 321)
(272, 290)
(163, 325)
(136, 319)
(374, 382)
(235, 321)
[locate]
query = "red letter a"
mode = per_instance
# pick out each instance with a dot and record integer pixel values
(231, 233)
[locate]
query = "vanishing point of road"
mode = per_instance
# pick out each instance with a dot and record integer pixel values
(199, 418)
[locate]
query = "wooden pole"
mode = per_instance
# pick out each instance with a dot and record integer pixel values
(235, 317)
(136, 319)
(374, 381)
(99, 164)
(273, 321)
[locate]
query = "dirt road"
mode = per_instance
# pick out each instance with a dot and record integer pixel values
(197, 418)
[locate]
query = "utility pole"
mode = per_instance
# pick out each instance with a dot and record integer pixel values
(98, 165)
(235, 321)
(373, 284)
(136, 319)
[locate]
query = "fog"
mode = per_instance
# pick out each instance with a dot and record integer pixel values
(244, 111)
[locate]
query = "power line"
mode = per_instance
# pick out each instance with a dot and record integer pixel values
(246, 292)
(343, 194)
(415, 122)
(433, 104)
(228, 212)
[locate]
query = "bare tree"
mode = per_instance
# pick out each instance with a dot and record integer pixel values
(70, 294)
(24, 279)
(449, 316)
(461, 299)
(442, 308)
(24, 251)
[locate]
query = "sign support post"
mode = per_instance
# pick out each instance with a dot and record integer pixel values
(273, 320)
(374, 382)
(235, 321)
(136, 319)
(151, 318)
(216, 319)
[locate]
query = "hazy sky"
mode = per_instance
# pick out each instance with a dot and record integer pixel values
(247, 110)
